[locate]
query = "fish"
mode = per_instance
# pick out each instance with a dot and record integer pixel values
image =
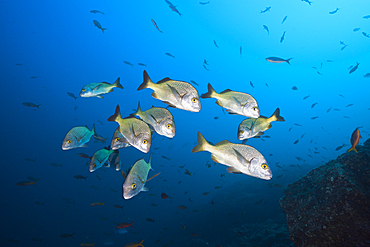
(99, 158)
(25, 183)
(177, 94)
(135, 244)
(99, 88)
(366, 17)
(169, 54)
(264, 11)
(79, 177)
(128, 63)
(78, 137)
(33, 77)
(354, 68)
(342, 96)
(125, 225)
(297, 124)
(84, 156)
(356, 29)
(150, 220)
(87, 244)
(97, 203)
(240, 51)
(96, 11)
(204, 66)
(294, 88)
(206, 193)
(306, 97)
(155, 24)
(339, 147)
(187, 172)
(251, 84)
(72, 95)
(296, 142)
(182, 207)
(164, 157)
(235, 102)
(238, 157)
(141, 64)
(334, 11)
(118, 140)
(30, 104)
(97, 24)
(160, 119)
(194, 83)
(366, 34)
(136, 179)
(266, 28)
(343, 47)
(313, 105)
(165, 196)
(214, 42)
(278, 60)
(252, 127)
(204, 3)
(355, 139)
(282, 37)
(76, 107)
(367, 75)
(284, 19)
(307, 1)
(313, 118)
(349, 105)
(136, 132)
(66, 235)
(114, 161)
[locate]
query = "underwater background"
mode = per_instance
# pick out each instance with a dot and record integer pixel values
(50, 48)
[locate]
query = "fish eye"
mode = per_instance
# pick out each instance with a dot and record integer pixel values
(117, 139)
(145, 141)
(83, 90)
(264, 166)
(69, 141)
(255, 108)
(169, 126)
(194, 100)
(133, 186)
(241, 132)
(94, 165)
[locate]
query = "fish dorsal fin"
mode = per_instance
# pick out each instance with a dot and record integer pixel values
(222, 143)
(226, 91)
(233, 170)
(164, 80)
(151, 177)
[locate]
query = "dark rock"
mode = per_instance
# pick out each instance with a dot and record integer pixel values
(330, 206)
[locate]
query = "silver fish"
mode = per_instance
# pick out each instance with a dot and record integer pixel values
(235, 102)
(99, 158)
(118, 140)
(136, 179)
(78, 137)
(238, 157)
(176, 94)
(98, 89)
(136, 132)
(160, 119)
(97, 24)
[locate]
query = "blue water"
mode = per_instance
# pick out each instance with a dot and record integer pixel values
(49, 48)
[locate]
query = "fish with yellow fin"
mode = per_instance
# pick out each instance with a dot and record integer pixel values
(355, 139)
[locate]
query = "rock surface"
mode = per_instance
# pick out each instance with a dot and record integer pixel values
(330, 206)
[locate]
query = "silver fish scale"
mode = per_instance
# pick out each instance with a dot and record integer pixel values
(136, 125)
(159, 113)
(246, 151)
(243, 98)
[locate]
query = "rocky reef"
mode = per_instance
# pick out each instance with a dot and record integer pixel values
(330, 206)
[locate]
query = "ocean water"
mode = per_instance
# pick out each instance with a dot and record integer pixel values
(49, 48)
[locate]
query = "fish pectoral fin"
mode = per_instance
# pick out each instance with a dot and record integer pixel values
(100, 97)
(238, 102)
(97, 87)
(145, 189)
(84, 145)
(259, 135)
(268, 127)
(241, 158)
(231, 112)
(177, 95)
(169, 104)
(151, 177)
(244, 141)
(111, 90)
(155, 120)
(214, 158)
(233, 170)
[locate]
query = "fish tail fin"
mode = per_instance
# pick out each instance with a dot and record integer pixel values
(202, 144)
(276, 116)
(147, 81)
(131, 224)
(93, 130)
(38, 106)
(34, 182)
(103, 203)
(93, 244)
(117, 83)
(352, 149)
(141, 243)
(210, 94)
(116, 115)
(289, 60)
(103, 29)
(72, 234)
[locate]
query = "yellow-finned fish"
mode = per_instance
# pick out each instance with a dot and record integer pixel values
(160, 119)
(78, 137)
(100, 157)
(135, 244)
(177, 94)
(136, 132)
(98, 89)
(118, 140)
(252, 127)
(136, 179)
(238, 157)
(355, 139)
(234, 102)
